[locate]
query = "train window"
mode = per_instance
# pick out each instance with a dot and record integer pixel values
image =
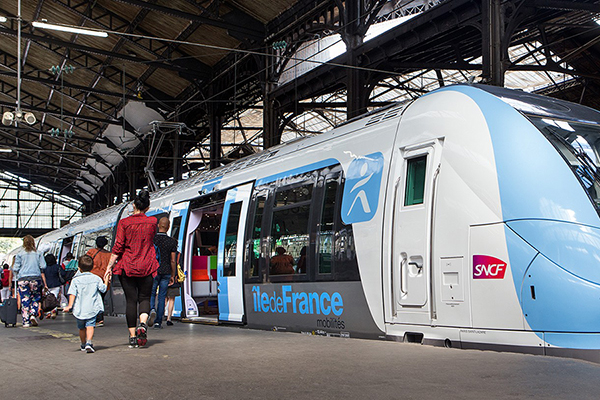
(175, 227)
(231, 239)
(254, 242)
(415, 181)
(296, 241)
(290, 228)
(88, 240)
(293, 196)
(327, 228)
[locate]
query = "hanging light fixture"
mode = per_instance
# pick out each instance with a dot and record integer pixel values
(68, 28)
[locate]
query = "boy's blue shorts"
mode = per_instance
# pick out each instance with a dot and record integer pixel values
(83, 323)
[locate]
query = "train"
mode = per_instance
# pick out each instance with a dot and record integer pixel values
(466, 218)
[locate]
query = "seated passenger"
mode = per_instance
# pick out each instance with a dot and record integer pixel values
(282, 264)
(301, 267)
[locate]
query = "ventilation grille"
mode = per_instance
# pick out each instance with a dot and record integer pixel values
(391, 113)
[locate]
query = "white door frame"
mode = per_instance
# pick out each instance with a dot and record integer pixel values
(408, 267)
(231, 288)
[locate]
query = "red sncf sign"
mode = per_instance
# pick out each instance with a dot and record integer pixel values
(486, 267)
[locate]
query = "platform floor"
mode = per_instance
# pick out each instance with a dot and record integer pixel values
(193, 361)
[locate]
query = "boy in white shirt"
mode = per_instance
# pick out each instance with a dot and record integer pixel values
(85, 300)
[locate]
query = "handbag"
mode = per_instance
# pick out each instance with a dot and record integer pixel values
(180, 274)
(49, 301)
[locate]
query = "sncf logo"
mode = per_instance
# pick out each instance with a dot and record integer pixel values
(486, 267)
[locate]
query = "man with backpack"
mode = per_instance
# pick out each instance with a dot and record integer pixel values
(166, 273)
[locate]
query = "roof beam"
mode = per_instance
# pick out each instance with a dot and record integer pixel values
(85, 89)
(566, 5)
(131, 25)
(46, 38)
(59, 188)
(194, 17)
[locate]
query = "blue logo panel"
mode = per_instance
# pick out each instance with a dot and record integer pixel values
(361, 190)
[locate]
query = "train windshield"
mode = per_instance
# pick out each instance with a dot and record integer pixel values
(579, 144)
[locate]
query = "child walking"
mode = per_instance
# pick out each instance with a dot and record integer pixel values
(85, 300)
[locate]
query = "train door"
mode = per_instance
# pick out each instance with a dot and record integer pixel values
(410, 276)
(230, 254)
(200, 235)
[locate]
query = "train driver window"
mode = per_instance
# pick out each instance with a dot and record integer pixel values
(290, 229)
(175, 227)
(415, 181)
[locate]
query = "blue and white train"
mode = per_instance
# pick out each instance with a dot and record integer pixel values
(466, 218)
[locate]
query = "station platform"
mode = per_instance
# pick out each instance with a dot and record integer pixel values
(195, 361)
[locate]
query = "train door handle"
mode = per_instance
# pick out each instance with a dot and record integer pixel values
(403, 276)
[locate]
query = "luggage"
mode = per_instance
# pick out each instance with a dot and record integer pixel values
(8, 312)
(49, 302)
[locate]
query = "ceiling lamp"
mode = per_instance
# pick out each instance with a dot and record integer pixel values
(9, 117)
(67, 28)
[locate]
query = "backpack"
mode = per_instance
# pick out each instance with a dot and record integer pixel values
(70, 271)
(157, 251)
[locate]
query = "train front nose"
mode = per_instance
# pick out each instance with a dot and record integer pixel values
(560, 290)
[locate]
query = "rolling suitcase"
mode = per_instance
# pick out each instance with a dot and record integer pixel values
(8, 312)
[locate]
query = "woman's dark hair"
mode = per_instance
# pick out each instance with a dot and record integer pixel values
(69, 256)
(142, 200)
(50, 259)
(101, 241)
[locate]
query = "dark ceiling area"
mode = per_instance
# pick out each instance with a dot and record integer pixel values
(110, 112)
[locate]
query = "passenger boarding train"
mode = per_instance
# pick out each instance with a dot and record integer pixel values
(467, 218)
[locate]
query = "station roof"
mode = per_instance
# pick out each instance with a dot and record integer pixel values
(98, 102)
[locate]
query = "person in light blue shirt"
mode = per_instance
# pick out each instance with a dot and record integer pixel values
(29, 269)
(85, 300)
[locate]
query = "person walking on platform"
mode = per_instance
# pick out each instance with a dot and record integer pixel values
(167, 271)
(85, 300)
(134, 247)
(6, 282)
(29, 268)
(101, 259)
(53, 274)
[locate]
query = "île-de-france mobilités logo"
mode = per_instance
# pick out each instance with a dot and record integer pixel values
(361, 190)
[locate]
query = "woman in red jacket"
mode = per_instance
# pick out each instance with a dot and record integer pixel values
(134, 248)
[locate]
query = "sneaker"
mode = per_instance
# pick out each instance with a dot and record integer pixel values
(169, 323)
(101, 323)
(26, 325)
(83, 347)
(89, 348)
(152, 317)
(133, 342)
(157, 326)
(33, 321)
(141, 334)
(53, 314)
